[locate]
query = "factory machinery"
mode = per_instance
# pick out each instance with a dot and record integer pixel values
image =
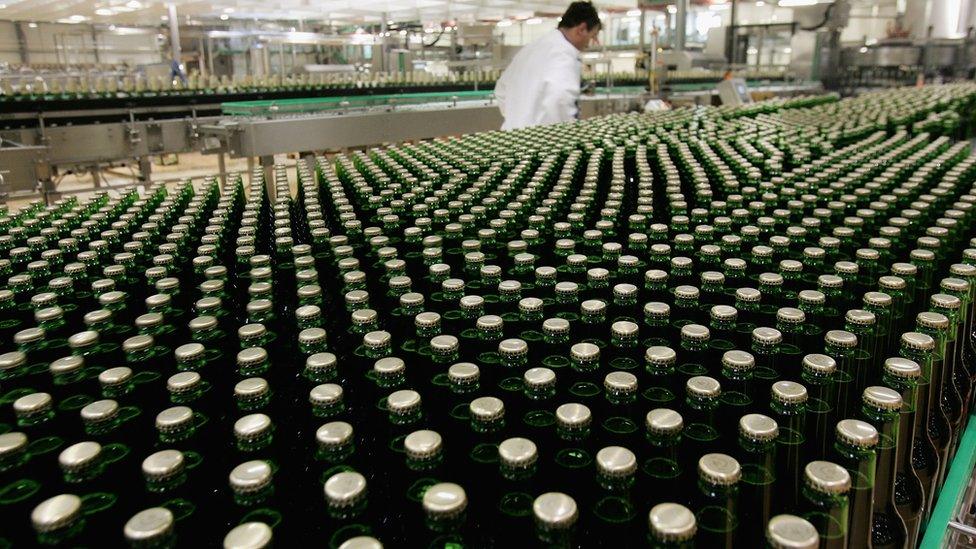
(86, 125)
(710, 327)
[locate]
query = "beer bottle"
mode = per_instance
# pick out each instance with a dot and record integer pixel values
(671, 526)
(791, 532)
(717, 501)
(882, 408)
(757, 458)
(825, 502)
(856, 450)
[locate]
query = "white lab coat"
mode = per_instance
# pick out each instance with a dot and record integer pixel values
(541, 85)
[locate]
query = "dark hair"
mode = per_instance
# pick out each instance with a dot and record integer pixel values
(580, 12)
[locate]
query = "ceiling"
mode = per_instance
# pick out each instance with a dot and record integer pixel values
(153, 12)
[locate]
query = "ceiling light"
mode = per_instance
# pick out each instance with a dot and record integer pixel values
(134, 4)
(224, 17)
(32, 25)
(633, 13)
(672, 8)
(3, 6)
(533, 21)
(111, 27)
(403, 33)
(718, 7)
(760, 3)
(794, 3)
(390, 22)
(104, 11)
(76, 17)
(228, 10)
(505, 23)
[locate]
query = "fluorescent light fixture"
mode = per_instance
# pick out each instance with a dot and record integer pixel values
(797, 3)
(870, 41)
(760, 3)
(3, 6)
(76, 17)
(403, 33)
(390, 22)
(752, 51)
(863, 49)
(672, 8)
(228, 10)
(134, 4)
(104, 11)
(787, 49)
(224, 17)
(628, 54)
(32, 25)
(718, 7)
(533, 21)
(633, 13)
(505, 23)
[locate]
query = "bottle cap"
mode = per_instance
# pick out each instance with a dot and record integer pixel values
(616, 462)
(251, 356)
(719, 469)
(83, 339)
(620, 383)
(902, 368)
(174, 419)
(555, 511)
(695, 332)
(739, 361)
(573, 416)
(326, 394)
(423, 445)
(250, 477)
(99, 411)
(660, 355)
(703, 387)
(841, 338)
(860, 317)
(66, 365)
(183, 382)
(672, 523)
(918, 341)
(250, 535)
(758, 427)
(77, 457)
(539, 378)
(56, 513)
(518, 453)
(882, 398)
(827, 477)
(345, 489)
(403, 402)
(361, 542)
(163, 465)
(791, 532)
(723, 313)
(819, 364)
(334, 435)
(487, 409)
(464, 373)
(789, 392)
(12, 443)
(252, 427)
(149, 526)
(513, 348)
(855, 432)
(445, 500)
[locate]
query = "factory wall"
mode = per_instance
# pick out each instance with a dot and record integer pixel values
(80, 44)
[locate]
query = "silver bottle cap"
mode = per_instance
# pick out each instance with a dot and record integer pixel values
(539, 378)
(335, 434)
(555, 511)
(695, 332)
(464, 373)
(252, 426)
(487, 409)
(739, 361)
(34, 403)
(149, 526)
(791, 532)
(573, 416)
(758, 427)
(361, 542)
(719, 469)
(163, 465)
(345, 489)
(403, 402)
(174, 419)
(857, 433)
(660, 355)
(99, 411)
(664, 422)
(252, 356)
(250, 535)
(672, 522)
(616, 462)
(918, 341)
(250, 477)
(620, 383)
(827, 477)
(78, 457)
(326, 394)
(389, 366)
(445, 500)
(902, 368)
(423, 445)
(518, 453)
(12, 443)
(882, 398)
(703, 387)
(56, 513)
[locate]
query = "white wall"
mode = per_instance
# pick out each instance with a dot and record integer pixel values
(55, 43)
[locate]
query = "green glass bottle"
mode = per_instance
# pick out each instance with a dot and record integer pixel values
(791, 532)
(856, 450)
(825, 503)
(717, 500)
(671, 526)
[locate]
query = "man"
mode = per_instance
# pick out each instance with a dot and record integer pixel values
(542, 83)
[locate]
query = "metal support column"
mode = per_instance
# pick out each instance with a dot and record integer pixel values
(222, 168)
(681, 25)
(145, 169)
(176, 50)
(730, 52)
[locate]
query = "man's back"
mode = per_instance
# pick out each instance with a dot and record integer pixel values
(541, 84)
